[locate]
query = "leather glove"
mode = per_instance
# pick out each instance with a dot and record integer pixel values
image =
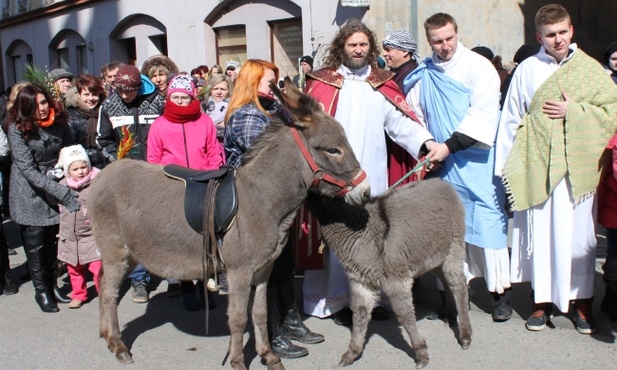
(70, 201)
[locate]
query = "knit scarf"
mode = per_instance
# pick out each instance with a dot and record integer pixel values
(547, 150)
(179, 114)
(50, 119)
(93, 119)
(83, 182)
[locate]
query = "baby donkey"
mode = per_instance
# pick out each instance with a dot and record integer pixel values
(396, 237)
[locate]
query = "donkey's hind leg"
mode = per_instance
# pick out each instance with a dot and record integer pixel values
(113, 274)
(453, 277)
(401, 298)
(362, 302)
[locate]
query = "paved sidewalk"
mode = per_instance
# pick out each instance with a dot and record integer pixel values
(162, 335)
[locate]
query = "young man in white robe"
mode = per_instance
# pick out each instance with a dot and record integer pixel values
(456, 93)
(562, 109)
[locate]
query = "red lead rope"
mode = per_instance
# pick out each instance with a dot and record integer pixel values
(319, 175)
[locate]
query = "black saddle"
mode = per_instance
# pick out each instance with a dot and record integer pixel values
(208, 195)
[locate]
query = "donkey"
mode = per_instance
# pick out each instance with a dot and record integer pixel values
(393, 239)
(137, 216)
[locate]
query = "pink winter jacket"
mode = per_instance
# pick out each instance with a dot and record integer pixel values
(167, 140)
(607, 190)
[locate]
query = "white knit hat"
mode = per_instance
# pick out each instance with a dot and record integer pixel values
(70, 154)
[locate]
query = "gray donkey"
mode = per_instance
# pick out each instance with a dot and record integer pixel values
(137, 216)
(393, 239)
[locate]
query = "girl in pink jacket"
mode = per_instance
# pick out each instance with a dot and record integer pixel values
(185, 136)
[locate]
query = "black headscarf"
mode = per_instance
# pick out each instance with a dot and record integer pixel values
(607, 55)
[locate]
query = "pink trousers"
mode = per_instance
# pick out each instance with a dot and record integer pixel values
(77, 275)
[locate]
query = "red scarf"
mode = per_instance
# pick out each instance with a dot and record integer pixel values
(50, 119)
(178, 114)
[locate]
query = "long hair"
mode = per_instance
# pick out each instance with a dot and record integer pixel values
(217, 79)
(218, 69)
(93, 85)
(24, 111)
(336, 51)
(246, 85)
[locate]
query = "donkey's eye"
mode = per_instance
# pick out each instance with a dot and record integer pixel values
(332, 151)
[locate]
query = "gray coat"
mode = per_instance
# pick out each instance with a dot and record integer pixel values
(32, 195)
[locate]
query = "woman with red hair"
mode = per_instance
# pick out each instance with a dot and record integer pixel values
(251, 107)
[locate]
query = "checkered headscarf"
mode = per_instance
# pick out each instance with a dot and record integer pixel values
(402, 40)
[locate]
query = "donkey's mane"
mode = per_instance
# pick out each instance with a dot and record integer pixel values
(271, 133)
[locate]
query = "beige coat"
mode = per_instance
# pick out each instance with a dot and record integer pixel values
(76, 244)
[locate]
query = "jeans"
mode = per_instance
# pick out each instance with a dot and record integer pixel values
(139, 274)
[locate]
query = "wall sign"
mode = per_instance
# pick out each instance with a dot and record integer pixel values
(357, 3)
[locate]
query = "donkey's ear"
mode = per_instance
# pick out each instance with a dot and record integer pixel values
(291, 90)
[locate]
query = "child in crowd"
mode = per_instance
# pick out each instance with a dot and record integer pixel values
(185, 136)
(76, 244)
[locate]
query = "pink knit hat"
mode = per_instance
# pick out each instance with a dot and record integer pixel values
(181, 83)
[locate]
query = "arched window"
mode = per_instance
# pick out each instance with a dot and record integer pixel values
(68, 50)
(17, 55)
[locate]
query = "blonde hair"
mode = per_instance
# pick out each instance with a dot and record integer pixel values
(247, 83)
(217, 79)
(15, 89)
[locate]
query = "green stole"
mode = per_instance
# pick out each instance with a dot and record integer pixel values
(546, 150)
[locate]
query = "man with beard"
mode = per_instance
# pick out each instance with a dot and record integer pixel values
(371, 108)
(456, 93)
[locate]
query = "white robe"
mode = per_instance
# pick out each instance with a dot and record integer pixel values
(480, 122)
(554, 243)
(366, 116)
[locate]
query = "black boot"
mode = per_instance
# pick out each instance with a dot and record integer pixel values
(33, 237)
(188, 295)
(611, 297)
(502, 304)
(292, 325)
(6, 278)
(281, 346)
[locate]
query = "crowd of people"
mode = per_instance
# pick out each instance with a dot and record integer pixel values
(536, 136)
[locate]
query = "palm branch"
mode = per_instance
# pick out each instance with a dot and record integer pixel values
(36, 75)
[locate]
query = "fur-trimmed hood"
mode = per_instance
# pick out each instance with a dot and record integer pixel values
(72, 100)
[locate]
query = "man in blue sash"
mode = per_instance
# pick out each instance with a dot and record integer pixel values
(455, 92)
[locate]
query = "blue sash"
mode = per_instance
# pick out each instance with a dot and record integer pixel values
(445, 102)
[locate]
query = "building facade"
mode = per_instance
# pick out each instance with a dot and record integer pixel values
(82, 35)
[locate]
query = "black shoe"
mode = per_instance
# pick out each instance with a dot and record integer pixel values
(8, 285)
(541, 314)
(502, 312)
(343, 317)
(296, 330)
(174, 290)
(46, 302)
(190, 301)
(61, 297)
(284, 348)
(585, 324)
(380, 314)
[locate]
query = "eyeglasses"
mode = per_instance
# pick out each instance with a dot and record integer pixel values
(180, 97)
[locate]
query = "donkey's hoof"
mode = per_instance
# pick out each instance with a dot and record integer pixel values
(124, 358)
(421, 363)
(344, 362)
(276, 366)
(466, 343)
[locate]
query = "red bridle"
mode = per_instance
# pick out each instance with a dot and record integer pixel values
(319, 175)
